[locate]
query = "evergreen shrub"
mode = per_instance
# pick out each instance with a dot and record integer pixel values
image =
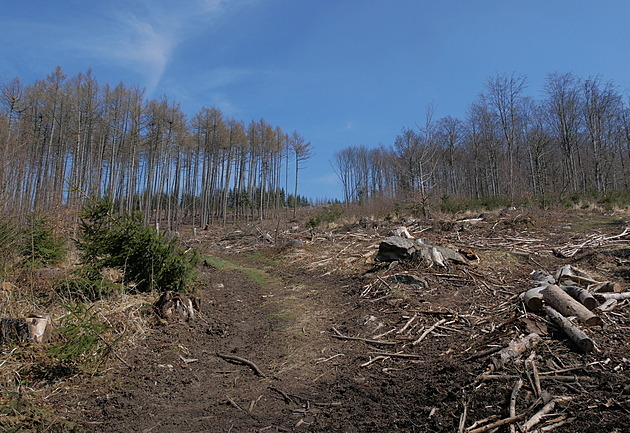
(146, 258)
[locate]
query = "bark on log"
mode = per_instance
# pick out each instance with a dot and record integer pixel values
(557, 298)
(606, 287)
(542, 277)
(581, 340)
(515, 349)
(607, 305)
(581, 295)
(533, 298)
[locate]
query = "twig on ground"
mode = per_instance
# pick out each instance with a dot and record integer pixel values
(340, 336)
(430, 329)
(462, 419)
(515, 390)
(238, 359)
(496, 424)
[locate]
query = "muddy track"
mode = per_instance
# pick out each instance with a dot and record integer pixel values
(177, 382)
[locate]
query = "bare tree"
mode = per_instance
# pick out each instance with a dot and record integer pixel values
(564, 108)
(505, 99)
(302, 152)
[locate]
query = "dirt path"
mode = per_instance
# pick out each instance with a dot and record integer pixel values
(178, 383)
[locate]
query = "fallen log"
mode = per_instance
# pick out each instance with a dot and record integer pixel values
(557, 298)
(515, 349)
(616, 296)
(582, 295)
(581, 340)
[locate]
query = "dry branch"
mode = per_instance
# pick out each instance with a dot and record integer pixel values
(515, 390)
(430, 329)
(496, 424)
(569, 250)
(607, 305)
(537, 417)
(398, 355)
(616, 296)
(340, 336)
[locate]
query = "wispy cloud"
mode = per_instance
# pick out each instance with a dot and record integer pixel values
(143, 35)
(328, 179)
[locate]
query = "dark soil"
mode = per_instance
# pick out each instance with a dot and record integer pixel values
(276, 306)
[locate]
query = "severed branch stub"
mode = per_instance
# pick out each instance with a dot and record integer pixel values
(239, 360)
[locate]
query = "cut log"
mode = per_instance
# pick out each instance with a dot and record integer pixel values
(533, 298)
(515, 349)
(582, 295)
(606, 287)
(557, 298)
(581, 340)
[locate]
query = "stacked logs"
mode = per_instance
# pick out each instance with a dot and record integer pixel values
(572, 293)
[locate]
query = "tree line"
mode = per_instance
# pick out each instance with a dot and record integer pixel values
(64, 139)
(576, 139)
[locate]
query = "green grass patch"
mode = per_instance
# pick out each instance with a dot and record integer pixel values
(259, 256)
(256, 275)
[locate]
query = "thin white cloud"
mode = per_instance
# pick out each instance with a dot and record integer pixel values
(222, 76)
(143, 35)
(328, 179)
(140, 46)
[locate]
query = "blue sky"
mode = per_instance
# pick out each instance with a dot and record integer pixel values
(340, 72)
